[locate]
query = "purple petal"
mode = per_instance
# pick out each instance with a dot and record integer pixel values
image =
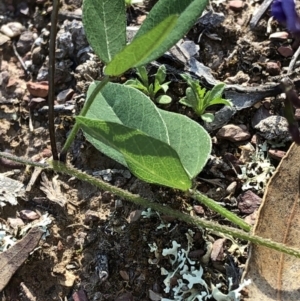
(277, 11)
(284, 11)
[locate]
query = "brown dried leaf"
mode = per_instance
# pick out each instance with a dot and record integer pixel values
(276, 276)
(52, 190)
(14, 257)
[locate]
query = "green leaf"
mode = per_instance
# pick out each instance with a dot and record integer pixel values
(165, 86)
(143, 75)
(135, 83)
(128, 106)
(163, 99)
(140, 49)
(186, 102)
(161, 73)
(147, 158)
(208, 117)
(189, 139)
(220, 101)
(216, 92)
(105, 26)
(188, 11)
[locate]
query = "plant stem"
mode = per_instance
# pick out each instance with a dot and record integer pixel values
(61, 167)
(218, 208)
(136, 199)
(75, 129)
(23, 161)
(51, 78)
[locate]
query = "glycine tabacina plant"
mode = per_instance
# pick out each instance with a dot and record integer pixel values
(157, 146)
(199, 99)
(284, 11)
(151, 89)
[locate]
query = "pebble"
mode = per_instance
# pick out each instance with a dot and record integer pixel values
(4, 78)
(38, 89)
(36, 56)
(64, 95)
(3, 39)
(15, 223)
(80, 296)
(286, 51)
(279, 35)
(260, 114)
(25, 42)
(29, 215)
(12, 29)
(273, 68)
(276, 154)
(297, 114)
(236, 5)
(248, 202)
(233, 132)
(274, 128)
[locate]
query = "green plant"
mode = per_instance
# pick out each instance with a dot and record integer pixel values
(157, 146)
(151, 89)
(129, 3)
(199, 99)
(121, 121)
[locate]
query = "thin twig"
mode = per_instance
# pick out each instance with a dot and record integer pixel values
(259, 13)
(19, 58)
(51, 78)
(293, 60)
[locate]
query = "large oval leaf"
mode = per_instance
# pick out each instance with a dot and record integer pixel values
(140, 49)
(128, 106)
(189, 139)
(188, 11)
(105, 26)
(147, 158)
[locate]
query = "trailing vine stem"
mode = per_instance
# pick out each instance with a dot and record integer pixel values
(140, 201)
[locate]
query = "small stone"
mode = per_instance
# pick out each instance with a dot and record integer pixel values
(198, 209)
(38, 89)
(12, 29)
(297, 114)
(248, 202)
(25, 42)
(3, 39)
(80, 296)
(64, 95)
(260, 114)
(274, 128)
(36, 56)
(29, 215)
(276, 154)
(15, 223)
(91, 216)
(236, 5)
(286, 51)
(279, 35)
(233, 132)
(273, 68)
(4, 78)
